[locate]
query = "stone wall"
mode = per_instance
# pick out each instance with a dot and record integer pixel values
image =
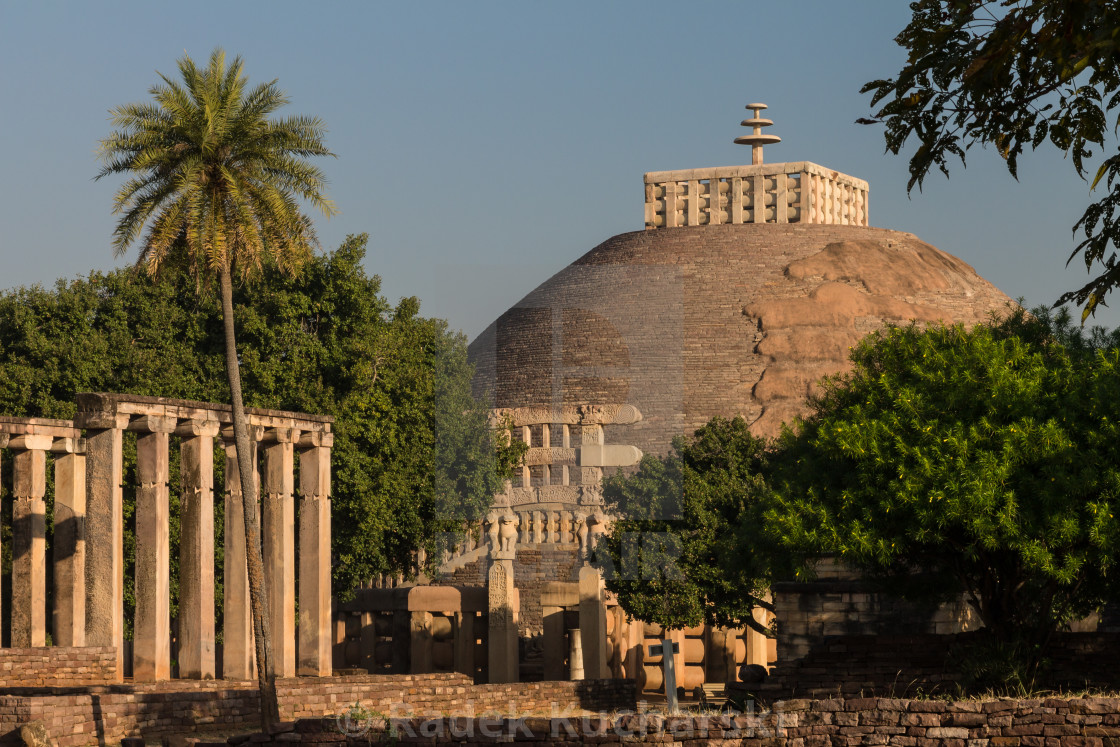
(57, 666)
(105, 715)
(842, 604)
(1052, 722)
(907, 665)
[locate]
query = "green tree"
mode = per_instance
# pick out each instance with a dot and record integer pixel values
(980, 462)
(413, 455)
(684, 549)
(216, 182)
(1013, 74)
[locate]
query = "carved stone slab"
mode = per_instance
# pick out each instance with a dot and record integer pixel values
(568, 415)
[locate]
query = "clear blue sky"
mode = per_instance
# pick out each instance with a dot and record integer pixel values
(484, 146)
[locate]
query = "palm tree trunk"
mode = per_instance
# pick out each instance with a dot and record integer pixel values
(258, 594)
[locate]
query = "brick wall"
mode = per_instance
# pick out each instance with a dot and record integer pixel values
(57, 666)
(535, 566)
(1053, 722)
(105, 715)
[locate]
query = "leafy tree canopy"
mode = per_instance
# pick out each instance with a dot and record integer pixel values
(676, 555)
(413, 456)
(982, 462)
(1014, 74)
(950, 462)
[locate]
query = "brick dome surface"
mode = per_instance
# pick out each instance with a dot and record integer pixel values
(689, 323)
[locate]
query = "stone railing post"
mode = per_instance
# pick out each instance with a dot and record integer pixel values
(69, 616)
(196, 550)
(315, 554)
(420, 642)
(104, 530)
(29, 540)
(278, 536)
(758, 644)
(151, 650)
(590, 439)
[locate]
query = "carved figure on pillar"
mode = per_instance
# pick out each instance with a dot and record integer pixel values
(581, 532)
(492, 531)
(507, 532)
(598, 525)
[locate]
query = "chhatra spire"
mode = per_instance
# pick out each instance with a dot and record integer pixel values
(756, 139)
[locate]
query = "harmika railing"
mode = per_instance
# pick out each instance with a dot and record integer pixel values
(798, 192)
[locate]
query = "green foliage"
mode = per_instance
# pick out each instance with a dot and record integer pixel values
(413, 453)
(981, 462)
(950, 462)
(998, 667)
(1014, 74)
(676, 554)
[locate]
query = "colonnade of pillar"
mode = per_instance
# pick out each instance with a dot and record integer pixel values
(30, 440)
(281, 437)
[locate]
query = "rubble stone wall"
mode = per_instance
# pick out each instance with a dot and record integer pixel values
(809, 613)
(907, 665)
(1052, 722)
(105, 715)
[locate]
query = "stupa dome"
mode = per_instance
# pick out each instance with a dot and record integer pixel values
(748, 285)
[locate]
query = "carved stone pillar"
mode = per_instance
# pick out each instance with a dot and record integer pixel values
(69, 616)
(238, 652)
(29, 540)
(593, 623)
(278, 536)
(315, 554)
(151, 650)
(104, 532)
(503, 605)
(196, 551)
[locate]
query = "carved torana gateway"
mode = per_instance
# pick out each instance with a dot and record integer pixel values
(748, 285)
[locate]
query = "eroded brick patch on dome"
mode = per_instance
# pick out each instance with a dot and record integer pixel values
(843, 292)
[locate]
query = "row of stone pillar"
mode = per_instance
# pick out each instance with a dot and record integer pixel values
(29, 530)
(104, 586)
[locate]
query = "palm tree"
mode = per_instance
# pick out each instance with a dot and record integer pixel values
(217, 184)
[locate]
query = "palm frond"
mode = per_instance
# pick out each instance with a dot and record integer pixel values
(211, 175)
